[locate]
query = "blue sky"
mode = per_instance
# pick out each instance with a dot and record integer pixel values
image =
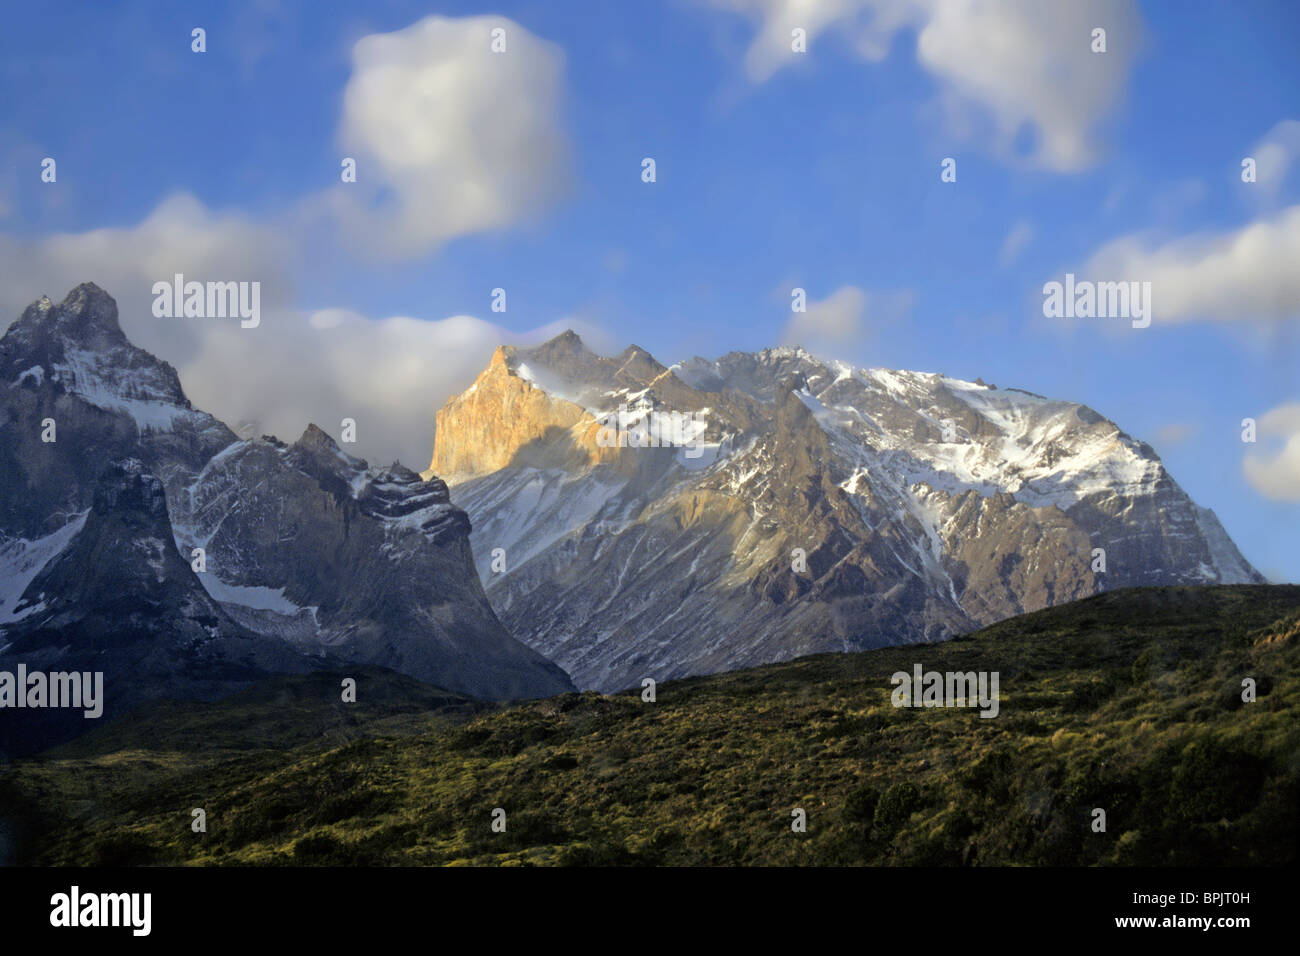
(819, 170)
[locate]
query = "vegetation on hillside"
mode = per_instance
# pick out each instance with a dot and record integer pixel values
(1130, 701)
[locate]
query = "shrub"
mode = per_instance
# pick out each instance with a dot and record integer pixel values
(860, 805)
(1214, 781)
(895, 806)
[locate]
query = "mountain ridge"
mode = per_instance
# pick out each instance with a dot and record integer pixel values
(923, 506)
(377, 558)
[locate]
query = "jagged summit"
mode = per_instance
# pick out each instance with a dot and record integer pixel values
(307, 552)
(87, 316)
(564, 350)
(89, 300)
(568, 338)
(822, 507)
(314, 436)
(79, 348)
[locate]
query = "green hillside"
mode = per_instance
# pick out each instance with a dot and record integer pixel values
(1129, 701)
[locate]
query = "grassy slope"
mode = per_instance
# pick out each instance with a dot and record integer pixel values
(1129, 701)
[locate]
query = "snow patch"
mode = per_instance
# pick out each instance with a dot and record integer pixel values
(22, 560)
(254, 597)
(139, 395)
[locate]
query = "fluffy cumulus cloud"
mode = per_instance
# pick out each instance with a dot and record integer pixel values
(1275, 471)
(450, 137)
(1006, 66)
(1244, 273)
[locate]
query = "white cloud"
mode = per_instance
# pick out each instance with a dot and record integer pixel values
(294, 368)
(868, 24)
(837, 318)
(1030, 62)
(1175, 433)
(450, 138)
(1277, 475)
(841, 317)
(1274, 156)
(1021, 234)
(1246, 273)
(1019, 63)
(390, 375)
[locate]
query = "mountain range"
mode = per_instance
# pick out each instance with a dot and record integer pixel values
(110, 480)
(820, 507)
(797, 506)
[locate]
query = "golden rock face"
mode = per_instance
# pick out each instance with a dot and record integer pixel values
(503, 419)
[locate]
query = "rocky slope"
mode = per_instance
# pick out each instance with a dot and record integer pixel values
(821, 507)
(119, 600)
(371, 565)
(316, 551)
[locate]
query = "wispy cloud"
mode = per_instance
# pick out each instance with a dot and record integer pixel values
(1274, 156)
(1175, 433)
(1021, 234)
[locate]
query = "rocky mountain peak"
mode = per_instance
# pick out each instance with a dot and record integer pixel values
(123, 556)
(78, 347)
(922, 506)
(566, 353)
(316, 438)
(87, 316)
(91, 307)
(566, 341)
(639, 365)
